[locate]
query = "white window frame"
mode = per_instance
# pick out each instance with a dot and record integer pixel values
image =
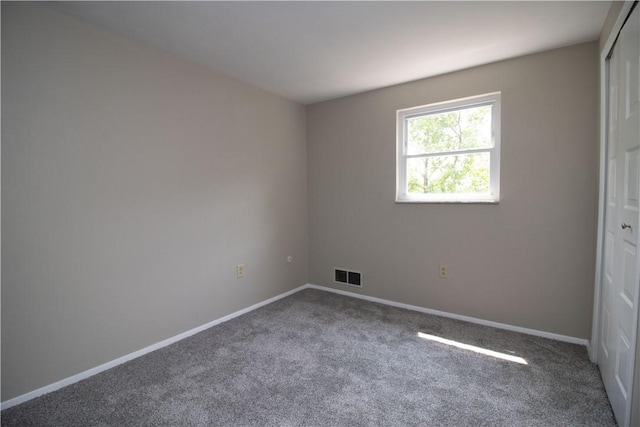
(402, 194)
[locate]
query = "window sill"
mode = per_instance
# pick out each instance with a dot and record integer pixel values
(449, 202)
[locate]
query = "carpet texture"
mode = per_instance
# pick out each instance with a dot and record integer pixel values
(321, 359)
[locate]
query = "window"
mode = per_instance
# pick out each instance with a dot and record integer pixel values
(450, 151)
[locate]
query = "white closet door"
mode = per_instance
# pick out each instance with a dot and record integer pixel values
(619, 299)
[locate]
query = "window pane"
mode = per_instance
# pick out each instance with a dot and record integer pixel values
(450, 131)
(463, 173)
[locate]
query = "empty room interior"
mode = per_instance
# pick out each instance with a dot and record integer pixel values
(320, 213)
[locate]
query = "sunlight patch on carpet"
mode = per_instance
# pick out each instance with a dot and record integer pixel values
(473, 348)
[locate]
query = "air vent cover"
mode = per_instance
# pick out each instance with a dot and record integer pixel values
(347, 277)
(354, 278)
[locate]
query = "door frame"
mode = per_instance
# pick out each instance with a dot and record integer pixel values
(604, 54)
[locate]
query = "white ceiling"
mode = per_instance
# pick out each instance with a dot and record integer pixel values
(312, 51)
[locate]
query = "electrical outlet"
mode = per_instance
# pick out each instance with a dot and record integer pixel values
(240, 271)
(443, 272)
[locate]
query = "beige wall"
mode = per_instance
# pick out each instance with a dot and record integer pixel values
(612, 15)
(132, 184)
(528, 261)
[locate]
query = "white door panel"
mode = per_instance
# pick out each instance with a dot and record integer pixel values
(619, 293)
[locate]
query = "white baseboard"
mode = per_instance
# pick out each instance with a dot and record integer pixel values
(93, 371)
(119, 361)
(522, 330)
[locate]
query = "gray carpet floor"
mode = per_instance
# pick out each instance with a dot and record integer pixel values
(321, 359)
